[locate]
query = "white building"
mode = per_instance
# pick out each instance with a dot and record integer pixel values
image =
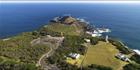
(106, 39)
(94, 34)
(103, 30)
(137, 51)
(74, 55)
(122, 57)
(87, 40)
(6, 39)
(81, 20)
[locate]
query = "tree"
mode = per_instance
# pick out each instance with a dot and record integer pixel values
(96, 67)
(132, 67)
(94, 41)
(10, 65)
(136, 58)
(120, 47)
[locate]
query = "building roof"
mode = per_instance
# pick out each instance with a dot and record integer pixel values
(122, 57)
(87, 40)
(74, 55)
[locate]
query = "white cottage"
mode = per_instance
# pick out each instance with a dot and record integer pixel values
(137, 51)
(74, 55)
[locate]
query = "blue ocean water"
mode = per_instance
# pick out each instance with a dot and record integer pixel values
(122, 19)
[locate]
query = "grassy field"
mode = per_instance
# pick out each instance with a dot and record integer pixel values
(66, 29)
(103, 54)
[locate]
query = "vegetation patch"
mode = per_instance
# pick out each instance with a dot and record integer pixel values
(132, 66)
(63, 28)
(11, 65)
(19, 48)
(96, 67)
(120, 47)
(1, 59)
(136, 58)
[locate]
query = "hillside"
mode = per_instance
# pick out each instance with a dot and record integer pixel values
(66, 26)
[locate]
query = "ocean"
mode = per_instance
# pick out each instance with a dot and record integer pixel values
(122, 19)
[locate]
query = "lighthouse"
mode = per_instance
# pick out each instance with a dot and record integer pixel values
(106, 39)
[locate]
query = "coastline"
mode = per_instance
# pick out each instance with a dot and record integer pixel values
(123, 25)
(114, 38)
(71, 34)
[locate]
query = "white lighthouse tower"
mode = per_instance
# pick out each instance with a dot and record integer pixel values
(106, 39)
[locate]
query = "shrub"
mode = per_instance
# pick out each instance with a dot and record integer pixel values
(96, 67)
(132, 67)
(10, 65)
(120, 47)
(136, 58)
(94, 40)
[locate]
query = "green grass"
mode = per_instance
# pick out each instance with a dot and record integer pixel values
(103, 54)
(13, 65)
(5, 59)
(19, 48)
(1, 59)
(66, 29)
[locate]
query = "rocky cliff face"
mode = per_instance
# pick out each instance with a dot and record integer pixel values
(68, 20)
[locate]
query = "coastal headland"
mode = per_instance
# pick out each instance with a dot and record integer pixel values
(67, 43)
